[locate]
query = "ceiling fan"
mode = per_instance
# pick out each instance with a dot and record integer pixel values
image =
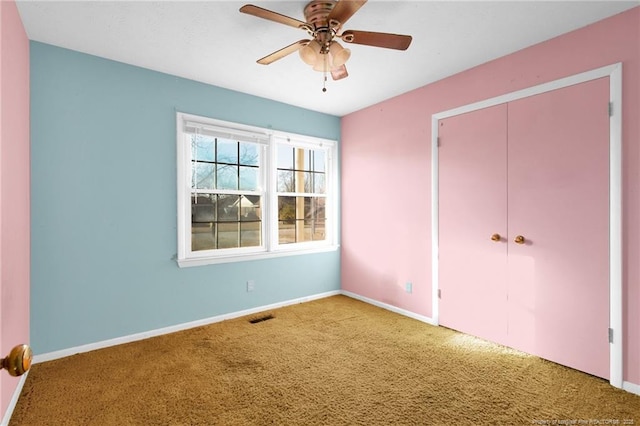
(324, 20)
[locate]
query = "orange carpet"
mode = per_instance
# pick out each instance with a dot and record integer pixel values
(335, 361)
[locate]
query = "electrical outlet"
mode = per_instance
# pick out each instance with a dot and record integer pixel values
(251, 285)
(408, 287)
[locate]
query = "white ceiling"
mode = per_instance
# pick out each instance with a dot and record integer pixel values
(214, 43)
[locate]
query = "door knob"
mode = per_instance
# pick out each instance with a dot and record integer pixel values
(519, 239)
(18, 361)
(495, 237)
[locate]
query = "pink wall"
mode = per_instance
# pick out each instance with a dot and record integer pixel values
(14, 189)
(386, 176)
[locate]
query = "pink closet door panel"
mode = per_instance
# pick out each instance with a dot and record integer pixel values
(558, 199)
(472, 207)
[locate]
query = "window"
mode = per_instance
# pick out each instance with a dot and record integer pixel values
(248, 193)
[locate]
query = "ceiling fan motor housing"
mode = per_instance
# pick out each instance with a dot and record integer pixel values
(316, 12)
(323, 31)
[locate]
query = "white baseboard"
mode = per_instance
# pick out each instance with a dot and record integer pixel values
(631, 387)
(627, 386)
(390, 307)
(50, 356)
(14, 400)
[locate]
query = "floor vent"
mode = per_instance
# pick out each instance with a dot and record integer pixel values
(260, 319)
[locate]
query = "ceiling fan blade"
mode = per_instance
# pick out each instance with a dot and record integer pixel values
(344, 9)
(390, 41)
(279, 54)
(339, 73)
(271, 16)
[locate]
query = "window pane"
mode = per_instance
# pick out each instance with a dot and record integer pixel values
(308, 158)
(314, 208)
(286, 220)
(249, 154)
(298, 181)
(318, 161)
(300, 159)
(203, 208)
(308, 182)
(285, 157)
(286, 209)
(250, 234)
(203, 236)
(202, 148)
(285, 181)
(227, 151)
(314, 230)
(227, 208)
(227, 177)
(287, 232)
(318, 183)
(228, 235)
(250, 208)
(202, 175)
(249, 178)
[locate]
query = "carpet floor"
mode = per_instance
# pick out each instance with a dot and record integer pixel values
(334, 361)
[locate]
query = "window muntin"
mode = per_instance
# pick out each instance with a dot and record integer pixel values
(251, 193)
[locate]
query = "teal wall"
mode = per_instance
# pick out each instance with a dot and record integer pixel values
(103, 188)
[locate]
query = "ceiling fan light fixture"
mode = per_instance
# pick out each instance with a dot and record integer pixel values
(309, 53)
(340, 54)
(324, 63)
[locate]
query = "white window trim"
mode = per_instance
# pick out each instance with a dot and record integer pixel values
(270, 248)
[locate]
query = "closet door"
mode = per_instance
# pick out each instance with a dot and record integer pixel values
(472, 207)
(558, 200)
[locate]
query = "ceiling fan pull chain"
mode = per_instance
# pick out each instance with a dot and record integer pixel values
(324, 72)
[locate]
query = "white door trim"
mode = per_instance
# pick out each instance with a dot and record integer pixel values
(614, 72)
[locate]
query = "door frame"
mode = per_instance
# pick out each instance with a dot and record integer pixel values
(614, 72)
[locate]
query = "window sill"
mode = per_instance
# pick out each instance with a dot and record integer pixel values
(201, 261)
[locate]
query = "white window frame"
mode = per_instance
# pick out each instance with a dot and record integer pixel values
(269, 139)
